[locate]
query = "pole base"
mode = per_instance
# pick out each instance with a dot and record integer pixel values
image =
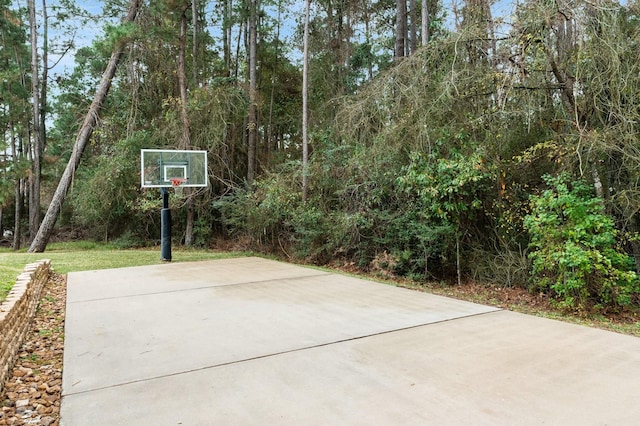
(165, 240)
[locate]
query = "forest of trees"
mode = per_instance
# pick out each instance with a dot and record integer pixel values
(441, 140)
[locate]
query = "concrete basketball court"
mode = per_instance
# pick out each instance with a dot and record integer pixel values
(249, 341)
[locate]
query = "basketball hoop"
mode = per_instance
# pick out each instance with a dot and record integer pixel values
(177, 183)
(177, 169)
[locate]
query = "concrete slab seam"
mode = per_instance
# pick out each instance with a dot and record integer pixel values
(289, 351)
(197, 288)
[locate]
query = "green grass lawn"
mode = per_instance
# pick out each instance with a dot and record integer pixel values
(87, 255)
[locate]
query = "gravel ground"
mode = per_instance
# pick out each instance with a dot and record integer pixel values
(32, 395)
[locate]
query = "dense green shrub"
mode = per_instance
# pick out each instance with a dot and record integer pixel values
(573, 248)
(368, 204)
(445, 188)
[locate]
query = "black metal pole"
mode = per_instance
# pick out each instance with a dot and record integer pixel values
(165, 225)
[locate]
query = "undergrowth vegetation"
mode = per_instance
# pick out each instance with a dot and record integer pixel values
(575, 250)
(447, 167)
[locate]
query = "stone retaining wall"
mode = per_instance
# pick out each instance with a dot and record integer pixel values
(17, 311)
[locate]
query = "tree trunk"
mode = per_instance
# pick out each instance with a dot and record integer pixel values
(194, 41)
(635, 245)
(274, 76)
(367, 36)
(189, 226)
(44, 79)
(413, 33)
(458, 263)
(226, 33)
(242, 29)
(41, 239)
(426, 23)
(476, 17)
(185, 140)
(17, 223)
(36, 151)
(305, 104)
(252, 119)
(3, 175)
(401, 29)
(17, 153)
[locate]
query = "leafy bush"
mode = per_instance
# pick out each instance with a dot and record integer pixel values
(574, 250)
(264, 214)
(128, 240)
(445, 187)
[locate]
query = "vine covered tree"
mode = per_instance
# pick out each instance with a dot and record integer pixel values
(41, 239)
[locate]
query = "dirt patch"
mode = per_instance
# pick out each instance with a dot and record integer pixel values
(539, 304)
(512, 298)
(32, 394)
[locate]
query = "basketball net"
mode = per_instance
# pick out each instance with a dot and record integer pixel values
(176, 183)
